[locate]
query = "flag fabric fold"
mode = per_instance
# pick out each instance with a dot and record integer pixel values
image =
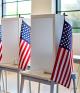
(63, 67)
(24, 46)
(0, 44)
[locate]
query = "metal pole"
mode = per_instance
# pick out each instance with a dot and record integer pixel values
(5, 81)
(52, 87)
(74, 86)
(73, 77)
(18, 87)
(57, 89)
(30, 86)
(39, 88)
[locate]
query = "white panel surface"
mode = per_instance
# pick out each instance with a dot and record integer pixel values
(10, 39)
(76, 43)
(46, 33)
(11, 28)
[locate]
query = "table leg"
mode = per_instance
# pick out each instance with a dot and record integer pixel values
(18, 87)
(39, 88)
(52, 87)
(0, 79)
(6, 81)
(22, 84)
(30, 86)
(74, 86)
(57, 88)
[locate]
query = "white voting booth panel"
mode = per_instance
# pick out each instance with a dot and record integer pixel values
(46, 33)
(10, 39)
(11, 28)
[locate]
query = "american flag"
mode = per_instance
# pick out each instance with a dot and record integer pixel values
(25, 46)
(63, 64)
(0, 44)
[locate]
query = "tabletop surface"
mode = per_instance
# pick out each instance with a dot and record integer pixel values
(11, 66)
(37, 74)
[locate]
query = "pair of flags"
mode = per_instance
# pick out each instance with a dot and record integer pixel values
(63, 66)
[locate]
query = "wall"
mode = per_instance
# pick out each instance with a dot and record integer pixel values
(76, 43)
(43, 6)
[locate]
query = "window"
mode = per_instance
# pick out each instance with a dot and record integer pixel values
(0, 8)
(24, 7)
(10, 9)
(70, 5)
(13, 8)
(72, 9)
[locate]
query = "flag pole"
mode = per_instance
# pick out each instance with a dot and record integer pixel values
(73, 75)
(18, 79)
(64, 15)
(19, 31)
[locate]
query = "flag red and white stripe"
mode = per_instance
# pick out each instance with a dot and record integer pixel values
(24, 46)
(63, 65)
(62, 68)
(0, 50)
(0, 43)
(25, 54)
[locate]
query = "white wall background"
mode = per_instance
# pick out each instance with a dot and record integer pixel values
(10, 39)
(43, 6)
(76, 43)
(46, 33)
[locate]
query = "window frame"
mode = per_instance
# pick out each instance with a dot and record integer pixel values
(59, 11)
(16, 14)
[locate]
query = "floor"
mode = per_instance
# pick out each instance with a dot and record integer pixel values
(12, 85)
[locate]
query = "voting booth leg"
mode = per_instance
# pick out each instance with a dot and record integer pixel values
(52, 87)
(57, 90)
(1, 74)
(5, 81)
(73, 77)
(39, 88)
(0, 79)
(18, 87)
(74, 86)
(21, 85)
(29, 86)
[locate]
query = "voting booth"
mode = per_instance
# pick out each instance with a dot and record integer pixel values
(11, 28)
(46, 32)
(10, 31)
